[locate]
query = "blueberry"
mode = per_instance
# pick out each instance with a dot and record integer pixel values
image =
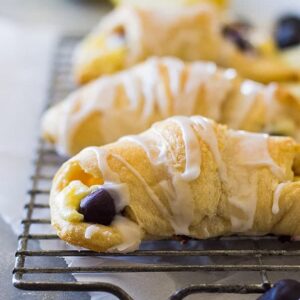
(98, 207)
(286, 289)
(236, 33)
(287, 31)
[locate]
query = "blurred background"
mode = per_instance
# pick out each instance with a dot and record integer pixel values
(80, 15)
(67, 15)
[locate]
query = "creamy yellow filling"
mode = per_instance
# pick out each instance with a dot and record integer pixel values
(289, 56)
(70, 198)
(268, 47)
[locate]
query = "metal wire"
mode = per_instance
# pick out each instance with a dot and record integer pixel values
(45, 156)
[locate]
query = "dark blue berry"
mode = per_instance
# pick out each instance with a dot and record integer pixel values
(287, 31)
(98, 207)
(286, 289)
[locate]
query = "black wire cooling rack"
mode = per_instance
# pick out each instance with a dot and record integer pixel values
(229, 265)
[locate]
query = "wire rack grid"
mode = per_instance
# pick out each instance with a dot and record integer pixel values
(268, 258)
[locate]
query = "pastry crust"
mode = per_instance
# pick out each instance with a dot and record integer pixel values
(186, 176)
(129, 35)
(145, 33)
(130, 101)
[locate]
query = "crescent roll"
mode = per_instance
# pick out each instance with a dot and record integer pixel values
(130, 34)
(221, 4)
(129, 102)
(184, 176)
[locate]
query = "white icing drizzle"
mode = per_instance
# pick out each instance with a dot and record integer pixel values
(72, 117)
(248, 94)
(156, 153)
(254, 151)
(243, 196)
(276, 197)
(119, 191)
(240, 182)
(131, 234)
(206, 232)
(130, 231)
(132, 90)
(90, 230)
(192, 148)
(145, 89)
(249, 151)
(180, 199)
(230, 74)
(216, 84)
(68, 124)
(176, 188)
(108, 175)
(147, 188)
(149, 84)
(270, 103)
(246, 152)
(207, 134)
(111, 176)
(164, 145)
(175, 69)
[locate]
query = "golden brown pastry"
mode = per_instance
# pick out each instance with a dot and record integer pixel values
(130, 35)
(166, 4)
(184, 176)
(130, 101)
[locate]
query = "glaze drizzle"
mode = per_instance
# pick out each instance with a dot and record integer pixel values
(238, 175)
(149, 95)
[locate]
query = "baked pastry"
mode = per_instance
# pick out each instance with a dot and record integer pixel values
(166, 4)
(129, 35)
(130, 101)
(272, 56)
(184, 176)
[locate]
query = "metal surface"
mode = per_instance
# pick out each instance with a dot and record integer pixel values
(268, 254)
